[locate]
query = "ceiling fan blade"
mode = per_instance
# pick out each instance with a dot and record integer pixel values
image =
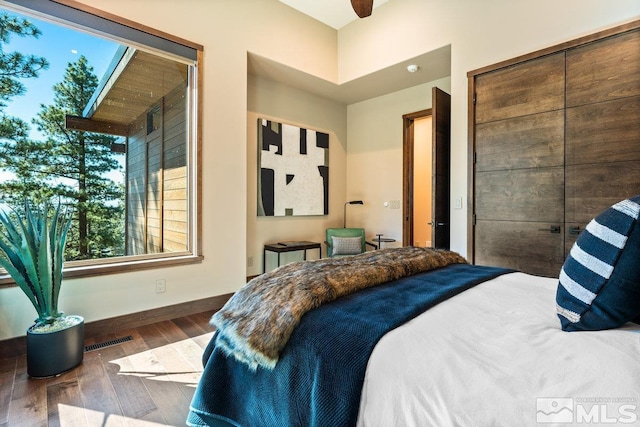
(362, 8)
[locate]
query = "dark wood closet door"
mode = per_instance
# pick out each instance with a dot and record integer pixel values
(519, 173)
(604, 70)
(603, 128)
(531, 87)
(544, 169)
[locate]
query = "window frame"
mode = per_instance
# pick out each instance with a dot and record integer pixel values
(129, 263)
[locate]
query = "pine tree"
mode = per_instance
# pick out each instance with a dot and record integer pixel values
(17, 153)
(16, 65)
(79, 162)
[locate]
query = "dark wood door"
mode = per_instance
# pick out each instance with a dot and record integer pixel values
(441, 182)
(519, 173)
(602, 128)
(440, 175)
(556, 141)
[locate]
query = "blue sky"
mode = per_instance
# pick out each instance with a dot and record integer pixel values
(59, 45)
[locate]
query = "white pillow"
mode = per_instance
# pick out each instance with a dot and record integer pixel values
(346, 245)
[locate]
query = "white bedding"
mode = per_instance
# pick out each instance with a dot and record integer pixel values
(496, 356)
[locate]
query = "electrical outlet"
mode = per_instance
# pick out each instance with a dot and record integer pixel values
(161, 286)
(249, 261)
(458, 203)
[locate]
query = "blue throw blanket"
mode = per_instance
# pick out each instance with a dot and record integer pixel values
(318, 379)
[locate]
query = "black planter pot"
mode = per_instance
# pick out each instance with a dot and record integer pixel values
(53, 353)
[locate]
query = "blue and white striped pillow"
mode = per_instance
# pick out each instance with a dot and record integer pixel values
(599, 285)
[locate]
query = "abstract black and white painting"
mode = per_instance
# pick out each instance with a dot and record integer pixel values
(293, 170)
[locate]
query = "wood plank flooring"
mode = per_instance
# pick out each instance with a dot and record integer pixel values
(148, 381)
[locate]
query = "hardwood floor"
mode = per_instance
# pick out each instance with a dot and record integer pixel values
(147, 381)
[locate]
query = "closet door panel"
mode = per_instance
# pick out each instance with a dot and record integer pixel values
(527, 88)
(604, 132)
(592, 188)
(524, 142)
(524, 246)
(608, 69)
(541, 165)
(521, 195)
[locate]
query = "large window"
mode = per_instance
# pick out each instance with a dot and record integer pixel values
(101, 115)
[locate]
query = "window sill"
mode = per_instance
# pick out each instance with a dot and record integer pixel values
(79, 269)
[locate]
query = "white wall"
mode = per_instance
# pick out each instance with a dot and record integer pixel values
(271, 100)
(481, 33)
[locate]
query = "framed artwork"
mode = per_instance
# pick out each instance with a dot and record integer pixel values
(293, 170)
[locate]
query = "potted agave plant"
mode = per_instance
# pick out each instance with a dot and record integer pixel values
(32, 252)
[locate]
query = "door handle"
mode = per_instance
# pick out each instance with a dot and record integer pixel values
(437, 224)
(552, 229)
(574, 230)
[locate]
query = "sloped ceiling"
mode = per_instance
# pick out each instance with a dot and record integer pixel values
(432, 65)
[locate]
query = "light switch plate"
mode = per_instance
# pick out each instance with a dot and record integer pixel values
(458, 203)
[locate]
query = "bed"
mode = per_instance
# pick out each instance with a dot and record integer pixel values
(491, 348)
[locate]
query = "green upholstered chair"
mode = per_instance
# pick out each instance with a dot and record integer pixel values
(346, 241)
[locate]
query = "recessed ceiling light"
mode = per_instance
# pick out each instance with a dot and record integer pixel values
(412, 68)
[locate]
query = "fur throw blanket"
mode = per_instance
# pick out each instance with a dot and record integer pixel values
(255, 324)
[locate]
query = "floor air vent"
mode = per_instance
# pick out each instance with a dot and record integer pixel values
(109, 343)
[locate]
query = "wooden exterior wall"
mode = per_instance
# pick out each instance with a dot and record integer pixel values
(157, 178)
(174, 188)
(136, 189)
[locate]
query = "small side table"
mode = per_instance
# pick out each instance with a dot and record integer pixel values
(281, 247)
(380, 240)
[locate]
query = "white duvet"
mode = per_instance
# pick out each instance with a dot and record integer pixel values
(495, 356)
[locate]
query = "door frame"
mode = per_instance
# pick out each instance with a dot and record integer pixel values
(440, 113)
(408, 141)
